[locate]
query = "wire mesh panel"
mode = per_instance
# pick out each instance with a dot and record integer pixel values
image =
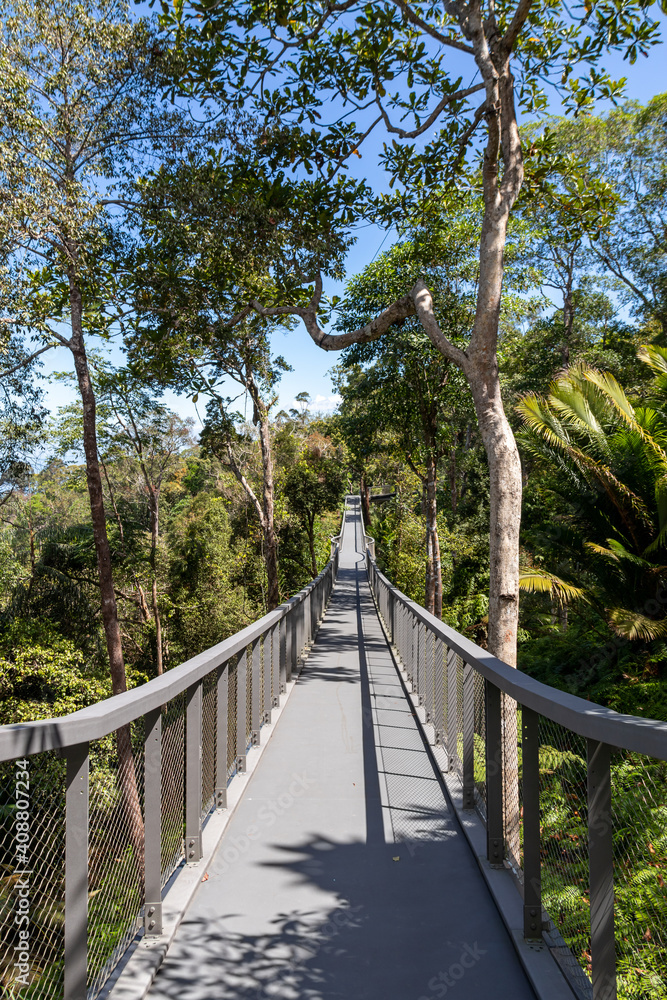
(264, 660)
(429, 705)
(455, 731)
(639, 818)
(173, 785)
(511, 783)
(248, 697)
(231, 727)
(32, 840)
(115, 850)
(564, 848)
(439, 691)
(208, 742)
(479, 700)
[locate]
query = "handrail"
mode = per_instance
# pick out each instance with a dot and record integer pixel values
(569, 845)
(148, 798)
(588, 719)
(104, 717)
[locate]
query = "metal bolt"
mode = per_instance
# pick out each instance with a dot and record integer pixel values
(151, 911)
(151, 925)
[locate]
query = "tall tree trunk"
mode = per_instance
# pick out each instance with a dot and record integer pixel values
(126, 773)
(568, 322)
(429, 586)
(434, 597)
(154, 503)
(268, 502)
(500, 191)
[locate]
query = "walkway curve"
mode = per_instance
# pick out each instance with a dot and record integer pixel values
(343, 872)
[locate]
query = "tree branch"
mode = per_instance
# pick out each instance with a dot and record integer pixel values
(26, 361)
(423, 302)
(447, 99)
(517, 23)
(413, 18)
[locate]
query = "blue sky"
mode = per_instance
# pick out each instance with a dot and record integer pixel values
(310, 364)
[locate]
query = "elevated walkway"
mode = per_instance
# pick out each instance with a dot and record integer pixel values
(343, 872)
(345, 799)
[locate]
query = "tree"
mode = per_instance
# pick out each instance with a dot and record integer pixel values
(220, 224)
(607, 462)
(405, 385)
(156, 436)
(356, 55)
(21, 414)
(313, 486)
(78, 109)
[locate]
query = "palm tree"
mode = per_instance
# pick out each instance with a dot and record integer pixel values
(607, 461)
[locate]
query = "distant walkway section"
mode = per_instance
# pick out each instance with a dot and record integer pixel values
(343, 872)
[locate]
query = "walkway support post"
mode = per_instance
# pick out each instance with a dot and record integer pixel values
(532, 867)
(601, 869)
(221, 736)
(76, 871)
(193, 774)
(153, 823)
(495, 840)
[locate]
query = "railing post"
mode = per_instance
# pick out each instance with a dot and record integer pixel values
(241, 711)
(468, 737)
(601, 869)
(452, 709)
(193, 774)
(532, 867)
(76, 872)
(153, 823)
(495, 840)
(254, 693)
(222, 736)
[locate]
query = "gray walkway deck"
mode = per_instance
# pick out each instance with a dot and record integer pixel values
(343, 872)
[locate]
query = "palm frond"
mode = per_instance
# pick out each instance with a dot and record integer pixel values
(538, 581)
(655, 357)
(608, 385)
(633, 625)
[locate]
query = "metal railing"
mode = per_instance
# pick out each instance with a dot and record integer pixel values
(375, 492)
(584, 825)
(101, 807)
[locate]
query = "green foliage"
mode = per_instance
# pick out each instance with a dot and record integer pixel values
(315, 485)
(43, 675)
(206, 604)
